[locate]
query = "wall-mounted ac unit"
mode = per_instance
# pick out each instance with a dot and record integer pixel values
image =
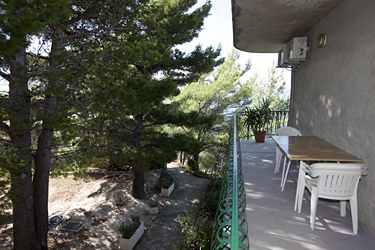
(295, 52)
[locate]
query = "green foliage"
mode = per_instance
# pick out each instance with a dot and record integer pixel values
(212, 196)
(196, 231)
(212, 158)
(153, 203)
(166, 181)
(192, 165)
(127, 230)
(211, 96)
(64, 168)
(257, 117)
(20, 19)
(271, 88)
(197, 227)
(128, 103)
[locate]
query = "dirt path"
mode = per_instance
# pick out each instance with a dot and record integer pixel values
(101, 202)
(164, 233)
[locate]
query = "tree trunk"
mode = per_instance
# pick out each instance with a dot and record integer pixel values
(138, 170)
(24, 236)
(181, 158)
(196, 162)
(43, 153)
(40, 184)
(138, 184)
(248, 133)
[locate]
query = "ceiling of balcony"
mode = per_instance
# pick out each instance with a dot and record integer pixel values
(266, 25)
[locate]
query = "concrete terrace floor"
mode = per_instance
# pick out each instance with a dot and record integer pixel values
(272, 222)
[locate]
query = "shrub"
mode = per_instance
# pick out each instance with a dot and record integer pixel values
(127, 230)
(166, 181)
(212, 196)
(196, 231)
(116, 167)
(192, 165)
(153, 203)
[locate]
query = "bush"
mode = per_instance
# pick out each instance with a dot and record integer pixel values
(212, 196)
(116, 167)
(192, 165)
(127, 230)
(196, 231)
(153, 203)
(166, 181)
(197, 228)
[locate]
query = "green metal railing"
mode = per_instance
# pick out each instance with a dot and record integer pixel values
(230, 230)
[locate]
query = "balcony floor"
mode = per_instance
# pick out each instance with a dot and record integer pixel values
(272, 222)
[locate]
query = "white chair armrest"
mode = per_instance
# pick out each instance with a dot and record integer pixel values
(305, 167)
(311, 181)
(364, 170)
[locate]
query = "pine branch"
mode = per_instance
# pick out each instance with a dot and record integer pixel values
(86, 14)
(37, 56)
(5, 143)
(5, 128)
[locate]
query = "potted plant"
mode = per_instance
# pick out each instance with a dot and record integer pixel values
(256, 119)
(153, 207)
(131, 233)
(167, 185)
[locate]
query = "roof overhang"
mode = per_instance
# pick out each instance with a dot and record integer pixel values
(267, 25)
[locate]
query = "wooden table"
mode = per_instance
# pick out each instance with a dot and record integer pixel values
(312, 148)
(309, 148)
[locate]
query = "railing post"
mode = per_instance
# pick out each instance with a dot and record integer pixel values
(234, 228)
(230, 230)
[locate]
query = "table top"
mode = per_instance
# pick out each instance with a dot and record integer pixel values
(312, 148)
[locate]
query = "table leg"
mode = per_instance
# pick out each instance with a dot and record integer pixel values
(283, 171)
(285, 176)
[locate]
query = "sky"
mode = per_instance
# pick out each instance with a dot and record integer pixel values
(217, 31)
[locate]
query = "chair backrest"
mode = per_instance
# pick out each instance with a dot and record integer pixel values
(336, 180)
(288, 131)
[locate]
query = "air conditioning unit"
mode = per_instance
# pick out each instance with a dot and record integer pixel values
(294, 53)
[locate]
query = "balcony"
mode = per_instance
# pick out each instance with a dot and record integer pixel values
(272, 222)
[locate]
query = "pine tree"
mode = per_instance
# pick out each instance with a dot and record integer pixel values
(132, 80)
(36, 105)
(20, 20)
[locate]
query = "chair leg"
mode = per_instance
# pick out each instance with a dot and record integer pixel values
(354, 210)
(283, 171)
(343, 208)
(285, 176)
(313, 206)
(300, 190)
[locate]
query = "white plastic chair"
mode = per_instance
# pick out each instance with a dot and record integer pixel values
(289, 131)
(334, 181)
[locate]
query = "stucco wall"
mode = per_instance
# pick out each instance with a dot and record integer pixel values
(334, 93)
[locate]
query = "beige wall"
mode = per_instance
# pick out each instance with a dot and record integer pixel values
(334, 93)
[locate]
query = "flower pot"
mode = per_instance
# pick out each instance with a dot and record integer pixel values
(167, 191)
(260, 136)
(128, 244)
